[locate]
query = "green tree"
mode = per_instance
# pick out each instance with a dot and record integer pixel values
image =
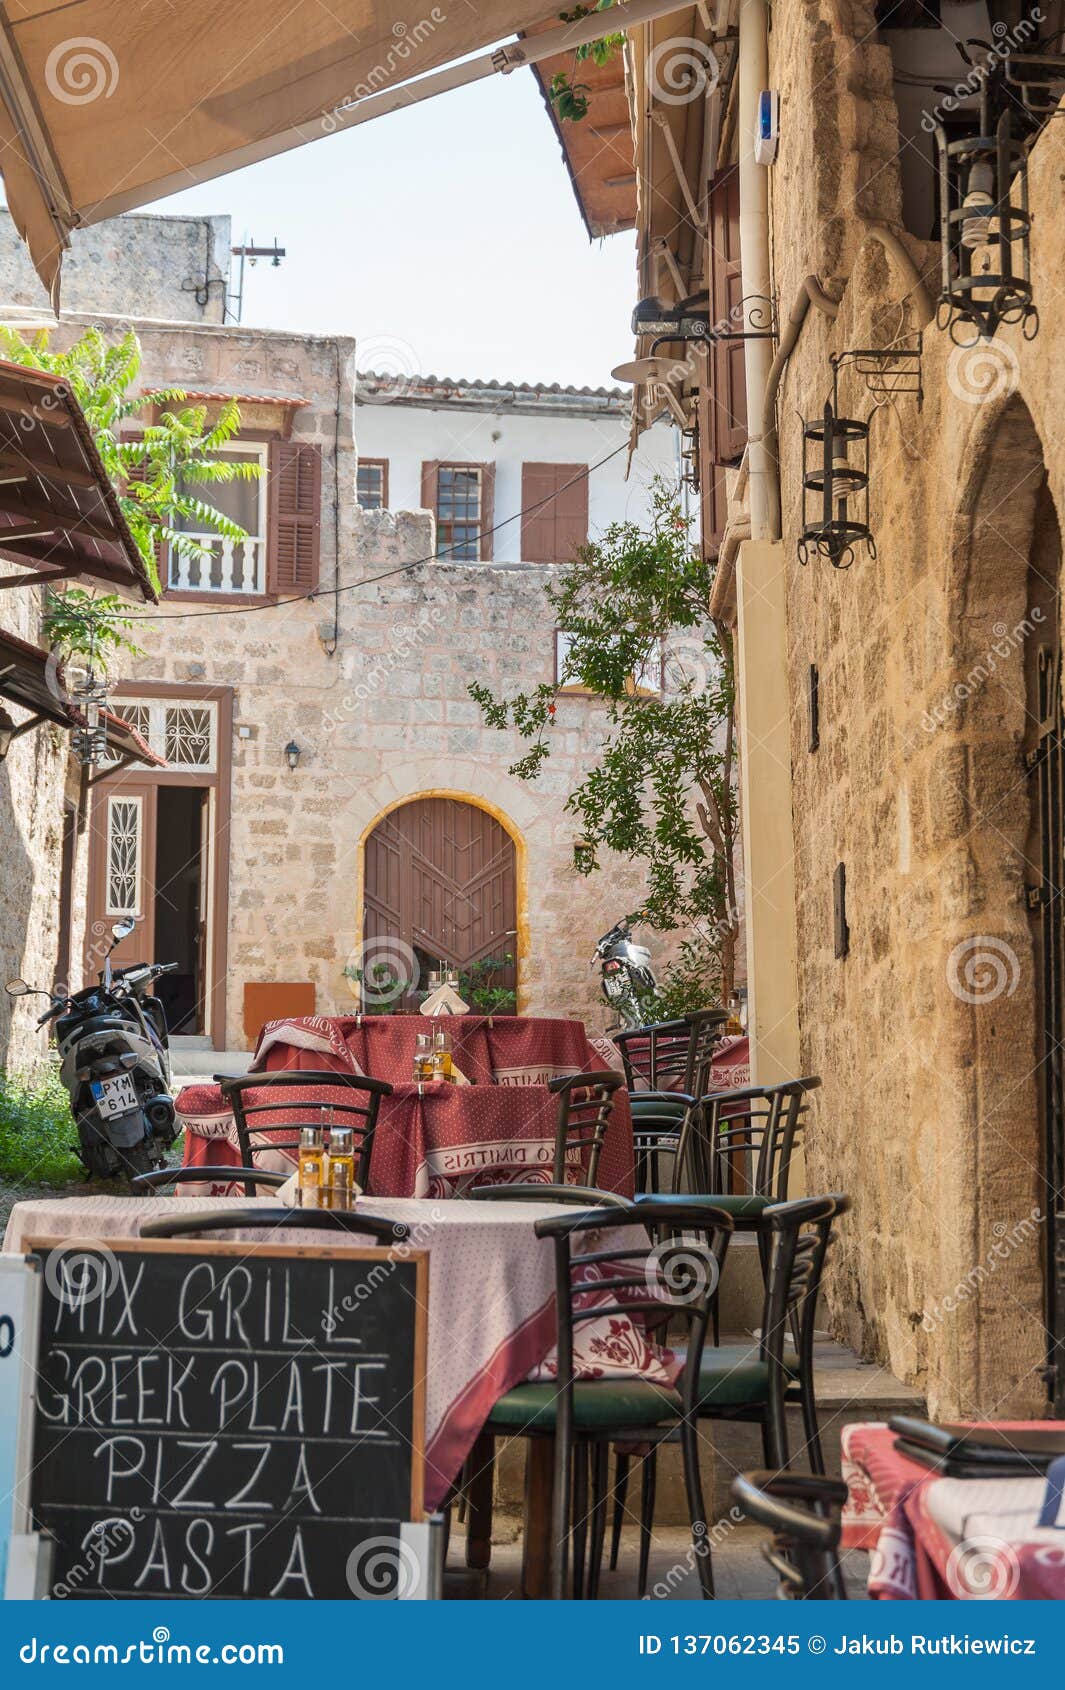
(153, 467)
(663, 789)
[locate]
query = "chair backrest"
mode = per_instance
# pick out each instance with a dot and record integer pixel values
(353, 1101)
(751, 1134)
(797, 1236)
(661, 1139)
(259, 1219)
(802, 1510)
(585, 1106)
(145, 1184)
(676, 1278)
(584, 1196)
(672, 1055)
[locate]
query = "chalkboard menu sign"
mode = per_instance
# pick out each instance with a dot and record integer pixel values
(228, 1420)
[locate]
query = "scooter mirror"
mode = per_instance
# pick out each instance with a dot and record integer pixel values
(17, 989)
(122, 929)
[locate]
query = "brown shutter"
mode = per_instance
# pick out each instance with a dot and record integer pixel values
(553, 532)
(728, 379)
(488, 507)
(294, 521)
(711, 479)
(430, 481)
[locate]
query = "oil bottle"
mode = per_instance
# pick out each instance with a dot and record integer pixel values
(341, 1169)
(311, 1168)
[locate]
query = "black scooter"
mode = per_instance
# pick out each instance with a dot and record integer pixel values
(115, 1063)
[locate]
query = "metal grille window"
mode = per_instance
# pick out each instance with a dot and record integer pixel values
(372, 484)
(458, 513)
(184, 732)
(123, 855)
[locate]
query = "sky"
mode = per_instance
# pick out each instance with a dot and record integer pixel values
(444, 238)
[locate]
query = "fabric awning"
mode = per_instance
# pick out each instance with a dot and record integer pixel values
(58, 510)
(105, 106)
(111, 105)
(31, 678)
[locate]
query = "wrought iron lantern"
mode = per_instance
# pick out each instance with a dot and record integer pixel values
(835, 488)
(89, 738)
(986, 267)
(983, 192)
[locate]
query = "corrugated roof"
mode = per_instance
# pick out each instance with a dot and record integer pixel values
(475, 384)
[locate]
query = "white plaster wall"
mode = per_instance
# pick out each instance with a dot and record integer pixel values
(409, 435)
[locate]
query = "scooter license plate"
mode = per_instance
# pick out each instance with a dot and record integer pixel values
(116, 1096)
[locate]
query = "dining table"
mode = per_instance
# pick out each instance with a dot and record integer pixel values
(490, 1319)
(495, 1124)
(935, 1538)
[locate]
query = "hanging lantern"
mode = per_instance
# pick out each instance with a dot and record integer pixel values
(835, 488)
(984, 234)
(89, 738)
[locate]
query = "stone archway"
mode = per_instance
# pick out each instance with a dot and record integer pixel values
(1003, 612)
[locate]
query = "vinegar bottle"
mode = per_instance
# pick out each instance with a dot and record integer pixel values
(442, 1056)
(341, 1166)
(310, 1169)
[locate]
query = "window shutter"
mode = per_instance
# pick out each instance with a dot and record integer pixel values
(728, 378)
(488, 506)
(711, 479)
(293, 536)
(552, 533)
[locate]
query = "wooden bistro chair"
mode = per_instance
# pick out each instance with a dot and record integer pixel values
(586, 1416)
(357, 1109)
(585, 1107)
(802, 1512)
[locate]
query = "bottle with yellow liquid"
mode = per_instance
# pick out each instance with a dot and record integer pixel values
(341, 1169)
(311, 1169)
(443, 1067)
(423, 1057)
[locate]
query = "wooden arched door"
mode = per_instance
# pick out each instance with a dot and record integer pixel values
(441, 878)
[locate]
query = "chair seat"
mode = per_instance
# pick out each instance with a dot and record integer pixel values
(736, 1203)
(732, 1374)
(660, 1105)
(596, 1404)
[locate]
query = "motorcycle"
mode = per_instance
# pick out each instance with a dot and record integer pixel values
(626, 972)
(115, 1063)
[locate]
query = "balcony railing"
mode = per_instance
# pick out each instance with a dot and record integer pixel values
(231, 567)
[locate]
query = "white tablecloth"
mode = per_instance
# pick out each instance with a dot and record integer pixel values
(491, 1316)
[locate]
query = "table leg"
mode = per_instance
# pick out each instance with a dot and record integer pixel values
(538, 1541)
(481, 1467)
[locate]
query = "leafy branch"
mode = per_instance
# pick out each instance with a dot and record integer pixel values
(571, 99)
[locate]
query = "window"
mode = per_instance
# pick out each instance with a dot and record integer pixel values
(372, 484)
(458, 513)
(648, 679)
(123, 856)
(554, 500)
(184, 732)
(229, 567)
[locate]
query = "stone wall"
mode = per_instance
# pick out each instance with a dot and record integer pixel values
(378, 703)
(33, 782)
(925, 1034)
(175, 269)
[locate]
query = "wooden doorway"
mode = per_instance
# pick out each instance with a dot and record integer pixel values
(159, 850)
(440, 881)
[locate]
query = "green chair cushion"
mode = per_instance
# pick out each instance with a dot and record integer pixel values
(731, 1374)
(657, 1109)
(735, 1203)
(601, 1403)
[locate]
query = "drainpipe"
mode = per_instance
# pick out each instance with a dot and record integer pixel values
(753, 73)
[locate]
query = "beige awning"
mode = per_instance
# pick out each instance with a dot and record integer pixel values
(108, 104)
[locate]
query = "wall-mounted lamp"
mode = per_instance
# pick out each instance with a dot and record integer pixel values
(293, 753)
(835, 488)
(986, 276)
(689, 320)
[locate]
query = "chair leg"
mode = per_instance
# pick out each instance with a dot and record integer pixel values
(693, 1484)
(767, 1443)
(648, 1478)
(810, 1426)
(479, 1479)
(621, 1486)
(600, 1453)
(579, 1524)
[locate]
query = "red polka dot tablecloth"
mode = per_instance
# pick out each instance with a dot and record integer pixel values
(437, 1139)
